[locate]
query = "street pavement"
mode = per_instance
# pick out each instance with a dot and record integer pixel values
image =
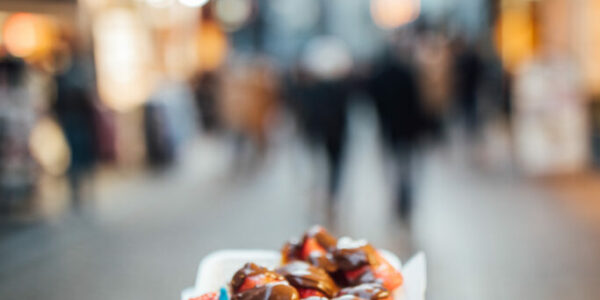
(487, 235)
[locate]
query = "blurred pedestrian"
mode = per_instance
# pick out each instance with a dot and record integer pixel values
(434, 72)
(160, 152)
(322, 113)
(467, 75)
(17, 116)
(205, 89)
(248, 104)
(320, 93)
(394, 89)
(75, 112)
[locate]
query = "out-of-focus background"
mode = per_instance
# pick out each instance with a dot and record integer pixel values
(137, 136)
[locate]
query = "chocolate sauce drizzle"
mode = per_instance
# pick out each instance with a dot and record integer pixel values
(270, 291)
(372, 291)
(302, 275)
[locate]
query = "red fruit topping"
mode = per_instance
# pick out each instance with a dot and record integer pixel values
(207, 296)
(311, 245)
(305, 293)
(256, 280)
(352, 275)
(384, 271)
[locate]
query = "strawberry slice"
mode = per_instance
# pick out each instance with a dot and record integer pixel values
(353, 275)
(311, 245)
(384, 271)
(207, 296)
(254, 281)
(306, 293)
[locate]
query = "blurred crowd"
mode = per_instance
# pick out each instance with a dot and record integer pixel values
(426, 77)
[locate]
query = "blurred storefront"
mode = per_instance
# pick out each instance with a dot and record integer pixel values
(31, 48)
(151, 67)
(548, 47)
(77, 80)
(139, 47)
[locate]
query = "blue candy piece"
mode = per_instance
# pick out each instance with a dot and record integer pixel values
(223, 294)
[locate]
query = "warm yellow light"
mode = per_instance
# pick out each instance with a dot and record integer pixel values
(123, 59)
(20, 34)
(515, 37)
(212, 46)
(27, 35)
(390, 14)
(586, 42)
(49, 148)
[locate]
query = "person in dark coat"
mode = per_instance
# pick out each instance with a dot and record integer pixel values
(74, 110)
(468, 73)
(321, 108)
(394, 91)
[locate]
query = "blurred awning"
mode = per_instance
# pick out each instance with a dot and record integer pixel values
(64, 8)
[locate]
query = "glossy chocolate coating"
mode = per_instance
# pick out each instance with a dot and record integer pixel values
(325, 261)
(347, 297)
(323, 237)
(271, 291)
(303, 275)
(372, 291)
(251, 270)
(328, 242)
(351, 255)
(292, 250)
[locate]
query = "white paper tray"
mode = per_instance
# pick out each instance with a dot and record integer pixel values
(217, 268)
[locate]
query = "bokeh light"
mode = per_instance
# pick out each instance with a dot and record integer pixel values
(123, 57)
(20, 34)
(193, 3)
(515, 37)
(27, 35)
(233, 13)
(390, 14)
(327, 57)
(212, 46)
(48, 146)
